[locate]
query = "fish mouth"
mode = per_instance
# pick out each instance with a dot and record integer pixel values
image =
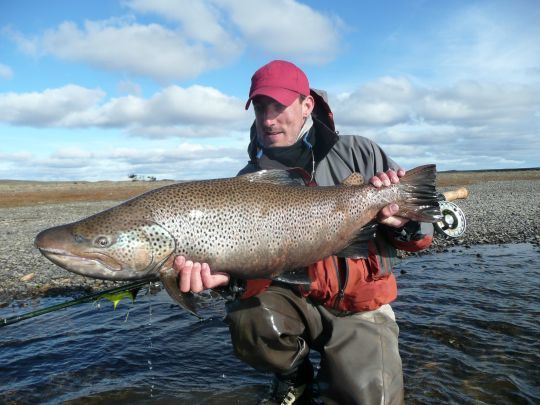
(92, 265)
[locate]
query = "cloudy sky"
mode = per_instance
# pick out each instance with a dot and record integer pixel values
(102, 89)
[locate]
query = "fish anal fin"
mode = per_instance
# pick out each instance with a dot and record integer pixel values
(358, 248)
(297, 277)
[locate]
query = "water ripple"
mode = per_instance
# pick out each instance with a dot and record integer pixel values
(469, 333)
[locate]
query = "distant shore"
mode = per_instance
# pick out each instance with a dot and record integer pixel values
(502, 207)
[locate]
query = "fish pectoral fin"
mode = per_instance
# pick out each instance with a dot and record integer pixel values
(187, 301)
(358, 248)
(297, 277)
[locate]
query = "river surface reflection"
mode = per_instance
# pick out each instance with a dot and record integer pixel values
(469, 334)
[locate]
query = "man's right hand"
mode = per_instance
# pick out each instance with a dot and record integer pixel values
(196, 277)
(389, 215)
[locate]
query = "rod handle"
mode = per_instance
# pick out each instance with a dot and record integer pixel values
(459, 194)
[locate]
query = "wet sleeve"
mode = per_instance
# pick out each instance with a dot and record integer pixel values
(412, 237)
(249, 168)
(234, 290)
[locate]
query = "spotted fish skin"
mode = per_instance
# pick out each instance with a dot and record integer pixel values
(253, 226)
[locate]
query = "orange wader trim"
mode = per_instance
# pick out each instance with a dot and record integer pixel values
(256, 286)
(413, 245)
(358, 288)
(358, 291)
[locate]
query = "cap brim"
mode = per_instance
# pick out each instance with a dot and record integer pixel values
(282, 96)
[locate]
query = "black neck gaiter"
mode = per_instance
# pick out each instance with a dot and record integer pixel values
(296, 155)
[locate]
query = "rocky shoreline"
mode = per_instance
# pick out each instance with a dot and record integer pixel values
(496, 211)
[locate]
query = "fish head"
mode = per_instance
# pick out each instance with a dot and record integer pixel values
(108, 248)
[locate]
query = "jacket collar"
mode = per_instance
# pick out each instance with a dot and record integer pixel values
(325, 139)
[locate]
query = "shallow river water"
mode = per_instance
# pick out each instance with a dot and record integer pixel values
(469, 334)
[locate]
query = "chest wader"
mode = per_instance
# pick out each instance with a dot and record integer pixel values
(275, 331)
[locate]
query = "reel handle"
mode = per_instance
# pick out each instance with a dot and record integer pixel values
(459, 194)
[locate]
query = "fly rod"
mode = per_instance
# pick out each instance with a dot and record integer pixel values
(130, 287)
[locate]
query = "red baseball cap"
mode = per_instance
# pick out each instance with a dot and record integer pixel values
(281, 80)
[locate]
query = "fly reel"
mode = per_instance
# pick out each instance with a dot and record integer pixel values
(453, 222)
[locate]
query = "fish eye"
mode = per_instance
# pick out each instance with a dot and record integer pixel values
(102, 241)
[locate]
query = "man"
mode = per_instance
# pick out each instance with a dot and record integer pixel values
(344, 313)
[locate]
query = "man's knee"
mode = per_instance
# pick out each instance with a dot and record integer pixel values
(250, 323)
(266, 332)
(368, 343)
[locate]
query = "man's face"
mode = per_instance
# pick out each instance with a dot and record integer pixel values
(278, 125)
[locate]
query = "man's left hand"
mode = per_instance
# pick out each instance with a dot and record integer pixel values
(388, 215)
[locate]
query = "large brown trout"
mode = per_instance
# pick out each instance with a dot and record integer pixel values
(257, 225)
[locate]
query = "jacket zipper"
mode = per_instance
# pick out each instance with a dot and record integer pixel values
(342, 278)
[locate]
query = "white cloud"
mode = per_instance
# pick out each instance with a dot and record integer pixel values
(73, 153)
(172, 111)
(200, 20)
(285, 28)
(412, 135)
(129, 87)
(182, 131)
(191, 161)
(125, 46)
(5, 72)
(482, 103)
(201, 36)
(382, 102)
(370, 112)
(194, 105)
(468, 123)
(282, 28)
(51, 107)
(15, 156)
(393, 101)
(454, 123)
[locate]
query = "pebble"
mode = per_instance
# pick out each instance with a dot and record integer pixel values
(28, 277)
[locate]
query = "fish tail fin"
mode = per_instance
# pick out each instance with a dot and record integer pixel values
(420, 198)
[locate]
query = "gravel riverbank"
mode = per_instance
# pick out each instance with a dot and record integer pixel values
(496, 212)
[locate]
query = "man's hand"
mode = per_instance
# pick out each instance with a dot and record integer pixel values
(197, 277)
(387, 215)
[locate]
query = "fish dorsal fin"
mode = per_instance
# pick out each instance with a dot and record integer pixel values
(278, 177)
(355, 179)
(303, 176)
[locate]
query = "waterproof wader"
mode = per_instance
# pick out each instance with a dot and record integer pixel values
(275, 330)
